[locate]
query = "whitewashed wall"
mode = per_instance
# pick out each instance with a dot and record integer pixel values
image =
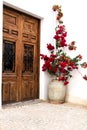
(75, 20)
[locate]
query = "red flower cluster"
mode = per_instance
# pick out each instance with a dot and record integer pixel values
(60, 14)
(60, 36)
(84, 65)
(72, 46)
(59, 63)
(50, 47)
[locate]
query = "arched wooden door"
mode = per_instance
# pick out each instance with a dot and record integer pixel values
(20, 77)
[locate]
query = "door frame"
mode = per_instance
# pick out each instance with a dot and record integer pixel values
(37, 38)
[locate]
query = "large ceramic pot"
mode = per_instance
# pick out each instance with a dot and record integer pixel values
(56, 91)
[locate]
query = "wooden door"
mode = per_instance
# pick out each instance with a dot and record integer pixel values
(20, 56)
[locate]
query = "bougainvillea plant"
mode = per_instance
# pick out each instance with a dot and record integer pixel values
(59, 63)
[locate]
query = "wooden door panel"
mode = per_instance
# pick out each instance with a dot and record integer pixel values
(26, 94)
(30, 29)
(28, 73)
(13, 91)
(30, 24)
(29, 37)
(32, 90)
(28, 89)
(10, 17)
(25, 90)
(5, 92)
(9, 90)
(10, 23)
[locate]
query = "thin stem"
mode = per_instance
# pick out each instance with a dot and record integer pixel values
(80, 73)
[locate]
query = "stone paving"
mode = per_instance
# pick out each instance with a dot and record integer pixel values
(43, 116)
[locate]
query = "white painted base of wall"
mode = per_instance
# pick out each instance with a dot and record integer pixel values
(76, 100)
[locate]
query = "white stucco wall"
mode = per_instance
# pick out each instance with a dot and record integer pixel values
(75, 21)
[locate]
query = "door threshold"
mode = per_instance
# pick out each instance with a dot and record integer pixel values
(20, 104)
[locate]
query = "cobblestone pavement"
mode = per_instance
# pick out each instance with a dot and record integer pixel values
(43, 116)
